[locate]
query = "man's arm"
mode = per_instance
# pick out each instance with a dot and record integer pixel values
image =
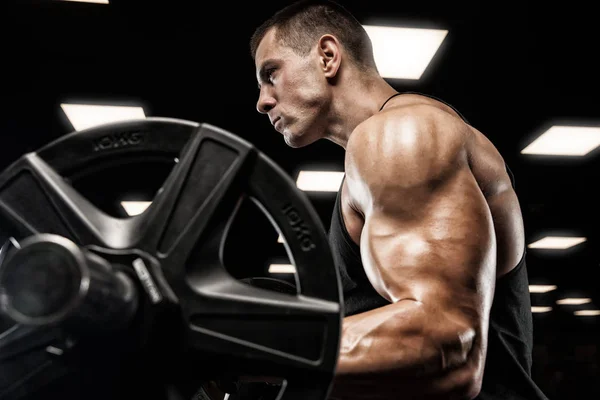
(428, 246)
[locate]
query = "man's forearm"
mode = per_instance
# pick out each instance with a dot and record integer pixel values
(392, 338)
(399, 346)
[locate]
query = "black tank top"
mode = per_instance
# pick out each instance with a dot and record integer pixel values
(507, 372)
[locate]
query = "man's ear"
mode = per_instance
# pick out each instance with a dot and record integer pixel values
(330, 57)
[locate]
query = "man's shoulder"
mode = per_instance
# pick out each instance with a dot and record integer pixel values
(410, 99)
(424, 110)
(411, 126)
(413, 146)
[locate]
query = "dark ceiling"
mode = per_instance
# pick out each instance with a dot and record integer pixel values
(512, 68)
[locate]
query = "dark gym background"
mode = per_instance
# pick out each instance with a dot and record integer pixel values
(512, 68)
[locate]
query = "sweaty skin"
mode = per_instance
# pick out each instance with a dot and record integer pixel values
(428, 200)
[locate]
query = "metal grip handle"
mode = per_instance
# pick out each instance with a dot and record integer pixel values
(50, 280)
(110, 300)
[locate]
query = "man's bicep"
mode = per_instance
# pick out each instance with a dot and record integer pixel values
(435, 246)
(428, 232)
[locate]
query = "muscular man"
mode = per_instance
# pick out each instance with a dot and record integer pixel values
(427, 230)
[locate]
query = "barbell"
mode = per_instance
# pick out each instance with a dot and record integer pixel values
(99, 306)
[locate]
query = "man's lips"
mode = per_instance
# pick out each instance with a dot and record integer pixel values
(275, 122)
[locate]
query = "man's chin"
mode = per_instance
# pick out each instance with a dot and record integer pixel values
(296, 141)
(292, 141)
(293, 144)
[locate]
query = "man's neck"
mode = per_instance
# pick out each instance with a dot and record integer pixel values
(354, 103)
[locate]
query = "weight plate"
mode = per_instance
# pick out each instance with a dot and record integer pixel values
(218, 326)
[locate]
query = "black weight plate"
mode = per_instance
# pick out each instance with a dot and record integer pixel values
(235, 328)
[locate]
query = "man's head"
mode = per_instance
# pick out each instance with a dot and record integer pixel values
(300, 54)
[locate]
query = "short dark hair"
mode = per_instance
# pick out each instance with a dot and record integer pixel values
(302, 23)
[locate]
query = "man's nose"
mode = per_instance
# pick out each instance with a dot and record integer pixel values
(265, 103)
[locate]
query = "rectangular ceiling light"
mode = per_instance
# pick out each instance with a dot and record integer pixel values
(84, 116)
(556, 242)
(319, 181)
(135, 207)
(541, 288)
(536, 309)
(573, 301)
(404, 53)
(89, 1)
(565, 141)
(282, 269)
(587, 312)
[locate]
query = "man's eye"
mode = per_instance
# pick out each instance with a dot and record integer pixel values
(270, 74)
